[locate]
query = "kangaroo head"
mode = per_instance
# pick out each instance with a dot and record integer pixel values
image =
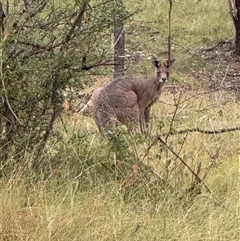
(162, 72)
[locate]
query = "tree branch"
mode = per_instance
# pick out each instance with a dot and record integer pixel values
(97, 65)
(174, 115)
(197, 129)
(77, 21)
(38, 9)
(198, 179)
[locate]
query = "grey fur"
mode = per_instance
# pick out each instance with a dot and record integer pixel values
(128, 100)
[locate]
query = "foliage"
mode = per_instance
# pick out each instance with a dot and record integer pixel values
(49, 47)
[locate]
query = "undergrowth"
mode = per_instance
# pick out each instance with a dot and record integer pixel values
(116, 186)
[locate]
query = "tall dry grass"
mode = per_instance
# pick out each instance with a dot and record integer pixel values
(88, 202)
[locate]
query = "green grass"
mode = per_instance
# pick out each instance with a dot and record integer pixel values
(85, 188)
(195, 25)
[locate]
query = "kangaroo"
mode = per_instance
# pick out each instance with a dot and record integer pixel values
(91, 102)
(128, 100)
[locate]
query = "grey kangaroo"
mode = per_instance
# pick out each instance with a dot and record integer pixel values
(128, 100)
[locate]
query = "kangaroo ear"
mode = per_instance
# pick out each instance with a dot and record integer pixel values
(156, 63)
(169, 64)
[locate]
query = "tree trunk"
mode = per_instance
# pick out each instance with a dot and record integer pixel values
(119, 42)
(237, 26)
(234, 7)
(3, 152)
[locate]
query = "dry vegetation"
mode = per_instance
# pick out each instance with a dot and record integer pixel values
(91, 189)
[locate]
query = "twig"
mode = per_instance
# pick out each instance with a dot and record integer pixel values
(149, 147)
(221, 43)
(169, 32)
(179, 158)
(197, 129)
(198, 179)
(38, 9)
(77, 21)
(174, 116)
(84, 67)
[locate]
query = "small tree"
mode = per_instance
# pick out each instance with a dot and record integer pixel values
(50, 46)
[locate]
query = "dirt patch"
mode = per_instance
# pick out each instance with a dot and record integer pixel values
(222, 69)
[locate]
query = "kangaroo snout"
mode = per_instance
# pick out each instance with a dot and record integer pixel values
(163, 79)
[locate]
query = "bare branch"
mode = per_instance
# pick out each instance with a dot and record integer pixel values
(170, 33)
(38, 9)
(197, 129)
(198, 179)
(77, 21)
(174, 115)
(98, 65)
